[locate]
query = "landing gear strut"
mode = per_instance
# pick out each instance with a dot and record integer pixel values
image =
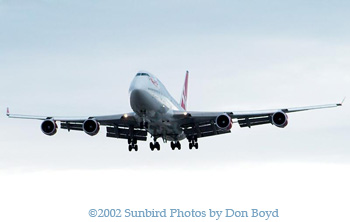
(154, 145)
(144, 125)
(176, 144)
(133, 144)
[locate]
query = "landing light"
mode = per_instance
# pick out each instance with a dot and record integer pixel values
(185, 113)
(125, 115)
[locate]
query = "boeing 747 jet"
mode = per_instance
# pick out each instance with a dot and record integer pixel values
(156, 112)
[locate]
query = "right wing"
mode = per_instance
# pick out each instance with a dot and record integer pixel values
(118, 126)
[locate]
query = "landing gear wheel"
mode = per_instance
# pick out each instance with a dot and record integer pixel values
(151, 146)
(178, 145)
(132, 144)
(157, 146)
(190, 146)
(175, 145)
(196, 146)
(172, 145)
(136, 147)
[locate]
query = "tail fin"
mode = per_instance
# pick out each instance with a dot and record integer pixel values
(183, 101)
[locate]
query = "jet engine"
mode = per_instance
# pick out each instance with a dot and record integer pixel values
(280, 119)
(91, 127)
(224, 122)
(49, 127)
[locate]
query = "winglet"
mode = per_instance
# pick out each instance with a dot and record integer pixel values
(340, 104)
(8, 111)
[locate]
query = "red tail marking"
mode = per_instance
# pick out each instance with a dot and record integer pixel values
(184, 93)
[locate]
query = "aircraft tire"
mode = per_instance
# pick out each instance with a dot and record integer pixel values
(178, 145)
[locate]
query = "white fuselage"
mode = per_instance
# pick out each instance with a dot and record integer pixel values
(153, 104)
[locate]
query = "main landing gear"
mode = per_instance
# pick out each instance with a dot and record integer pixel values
(154, 145)
(193, 143)
(176, 144)
(133, 144)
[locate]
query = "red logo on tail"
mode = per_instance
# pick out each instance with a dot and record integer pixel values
(184, 93)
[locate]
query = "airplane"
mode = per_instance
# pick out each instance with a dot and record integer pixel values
(156, 112)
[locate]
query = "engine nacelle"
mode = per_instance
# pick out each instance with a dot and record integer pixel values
(91, 127)
(224, 121)
(49, 127)
(280, 119)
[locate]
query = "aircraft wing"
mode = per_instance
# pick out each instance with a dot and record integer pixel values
(103, 120)
(244, 114)
(118, 126)
(202, 124)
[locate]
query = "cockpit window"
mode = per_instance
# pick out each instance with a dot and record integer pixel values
(142, 74)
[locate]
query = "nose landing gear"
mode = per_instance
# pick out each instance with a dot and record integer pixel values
(144, 125)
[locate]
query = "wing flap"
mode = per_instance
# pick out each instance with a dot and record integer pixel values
(204, 131)
(72, 126)
(249, 122)
(201, 127)
(125, 133)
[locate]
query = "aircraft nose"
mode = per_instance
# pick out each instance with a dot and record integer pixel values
(137, 94)
(136, 84)
(139, 100)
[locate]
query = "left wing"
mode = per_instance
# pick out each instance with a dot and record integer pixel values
(119, 126)
(202, 124)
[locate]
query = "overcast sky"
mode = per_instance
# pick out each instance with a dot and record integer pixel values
(79, 57)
